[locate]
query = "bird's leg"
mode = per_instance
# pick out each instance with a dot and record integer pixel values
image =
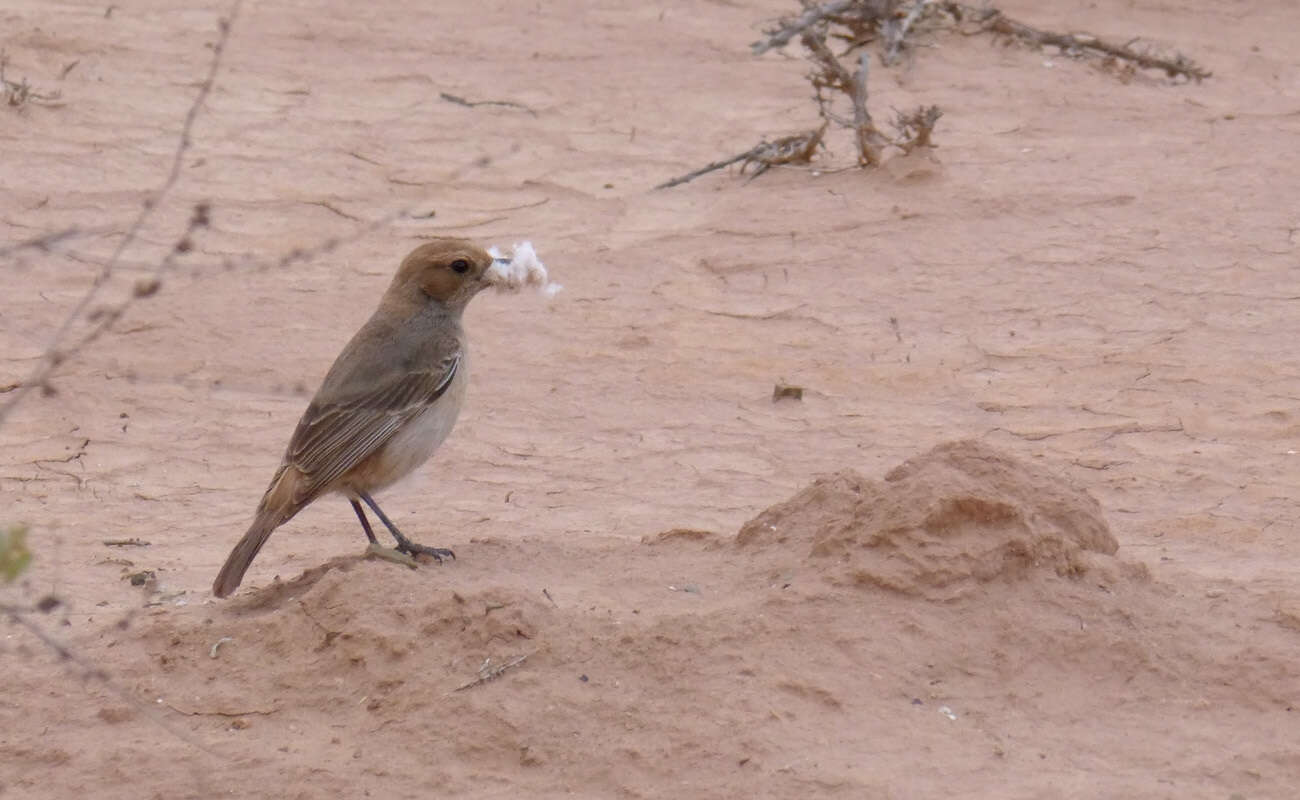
(376, 549)
(365, 523)
(404, 545)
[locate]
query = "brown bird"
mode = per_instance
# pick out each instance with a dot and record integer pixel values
(390, 399)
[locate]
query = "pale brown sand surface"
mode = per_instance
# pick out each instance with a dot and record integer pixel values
(1093, 289)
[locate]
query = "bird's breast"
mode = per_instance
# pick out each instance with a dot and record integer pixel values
(415, 441)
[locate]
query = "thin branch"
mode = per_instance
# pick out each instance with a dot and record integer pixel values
(300, 255)
(460, 101)
(991, 19)
(19, 93)
(869, 139)
(787, 31)
(54, 355)
(796, 149)
(18, 615)
(293, 256)
(91, 671)
(896, 32)
(707, 168)
(914, 129)
(246, 712)
(102, 319)
(489, 671)
(833, 75)
(46, 241)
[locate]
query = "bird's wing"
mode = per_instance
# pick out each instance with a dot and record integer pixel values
(332, 439)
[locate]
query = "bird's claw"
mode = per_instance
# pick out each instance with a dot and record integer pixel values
(436, 553)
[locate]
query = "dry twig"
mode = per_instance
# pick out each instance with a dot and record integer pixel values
(710, 167)
(302, 255)
(870, 139)
(19, 93)
(460, 101)
(914, 129)
(18, 615)
(831, 74)
(56, 353)
(1078, 44)
(93, 672)
(489, 671)
(792, 28)
(859, 22)
(796, 149)
(46, 241)
(896, 31)
(865, 20)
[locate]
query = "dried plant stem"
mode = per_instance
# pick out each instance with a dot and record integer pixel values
(896, 31)
(869, 139)
(993, 20)
(92, 672)
(833, 75)
(489, 671)
(811, 16)
(19, 93)
(707, 168)
(55, 353)
(914, 129)
(865, 20)
(460, 101)
(46, 241)
(18, 616)
(796, 149)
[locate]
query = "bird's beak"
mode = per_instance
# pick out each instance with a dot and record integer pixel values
(494, 273)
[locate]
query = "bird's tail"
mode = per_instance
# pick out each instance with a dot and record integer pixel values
(278, 505)
(232, 572)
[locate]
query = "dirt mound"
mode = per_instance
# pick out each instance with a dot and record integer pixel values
(362, 625)
(940, 524)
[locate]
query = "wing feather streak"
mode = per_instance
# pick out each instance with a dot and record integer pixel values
(332, 439)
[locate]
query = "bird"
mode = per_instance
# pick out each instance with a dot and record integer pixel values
(389, 400)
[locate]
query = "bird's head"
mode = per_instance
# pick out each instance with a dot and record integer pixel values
(447, 271)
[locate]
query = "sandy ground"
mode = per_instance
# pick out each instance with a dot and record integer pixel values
(1091, 283)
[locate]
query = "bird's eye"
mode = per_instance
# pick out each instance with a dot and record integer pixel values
(460, 265)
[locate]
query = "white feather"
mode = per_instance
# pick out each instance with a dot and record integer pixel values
(522, 269)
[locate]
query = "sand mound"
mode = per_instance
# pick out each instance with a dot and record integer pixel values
(940, 524)
(385, 638)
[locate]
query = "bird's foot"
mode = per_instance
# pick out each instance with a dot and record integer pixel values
(413, 549)
(377, 550)
(394, 555)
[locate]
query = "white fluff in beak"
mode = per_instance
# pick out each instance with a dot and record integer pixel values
(522, 268)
